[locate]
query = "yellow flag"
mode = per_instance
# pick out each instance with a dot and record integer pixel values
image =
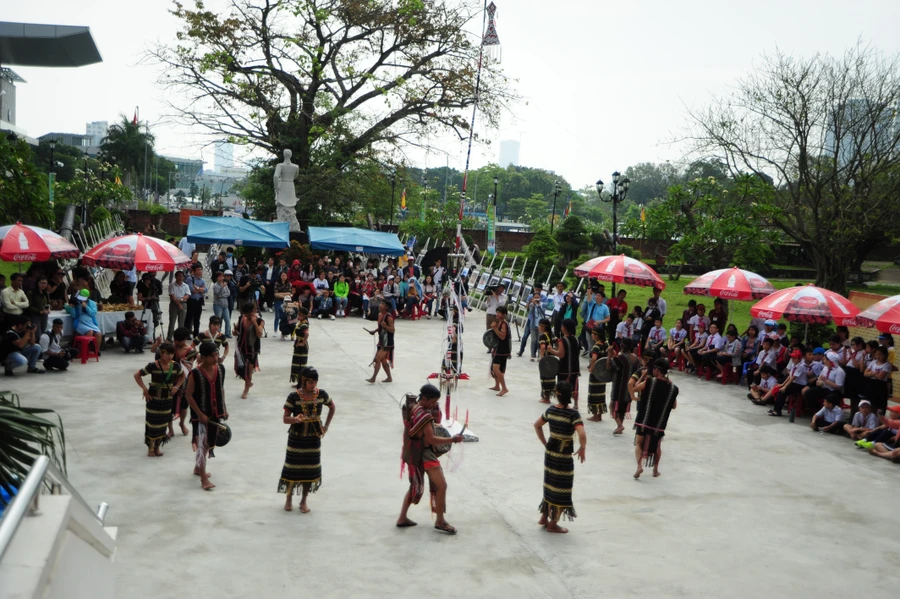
(118, 181)
(643, 215)
(403, 199)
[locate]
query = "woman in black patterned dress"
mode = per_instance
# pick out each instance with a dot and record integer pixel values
(559, 466)
(568, 351)
(301, 345)
(622, 365)
(303, 463)
(546, 345)
(165, 379)
(597, 391)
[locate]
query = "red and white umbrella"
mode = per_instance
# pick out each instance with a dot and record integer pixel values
(731, 283)
(146, 254)
(884, 316)
(620, 269)
(24, 243)
(809, 304)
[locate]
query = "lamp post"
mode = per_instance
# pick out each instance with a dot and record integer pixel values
(52, 176)
(496, 182)
(393, 179)
(84, 205)
(616, 196)
(556, 191)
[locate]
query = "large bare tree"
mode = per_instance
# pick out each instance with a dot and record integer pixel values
(333, 80)
(826, 130)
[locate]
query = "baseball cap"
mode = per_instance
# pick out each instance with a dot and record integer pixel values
(832, 356)
(390, 277)
(819, 351)
(884, 336)
(769, 323)
(895, 409)
(84, 295)
(864, 402)
(228, 272)
(796, 354)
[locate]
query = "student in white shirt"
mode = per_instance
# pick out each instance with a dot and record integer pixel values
(877, 378)
(730, 353)
(765, 391)
(676, 342)
(830, 418)
(625, 329)
(693, 350)
(766, 355)
(714, 343)
(793, 384)
(829, 382)
(656, 338)
(863, 423)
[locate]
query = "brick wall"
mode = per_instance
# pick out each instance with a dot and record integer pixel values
(170, 222)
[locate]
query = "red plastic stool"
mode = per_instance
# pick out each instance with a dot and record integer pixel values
(84, 343)
(729, 375)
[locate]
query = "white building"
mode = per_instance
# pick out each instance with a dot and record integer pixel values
(509, 153)
(224, 156)
(97, 131)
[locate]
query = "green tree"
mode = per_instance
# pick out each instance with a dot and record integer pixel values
(97, 188)
(194, 191)
(439, 224)
(67, 158)
(651, 181)
(127, 145)
(572, 238)
(543, 251)
(23, 186)
(824, 128)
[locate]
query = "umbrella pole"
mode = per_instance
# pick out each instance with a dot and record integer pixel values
(805, 332)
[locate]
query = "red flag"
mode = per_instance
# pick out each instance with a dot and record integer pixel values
(134, 121)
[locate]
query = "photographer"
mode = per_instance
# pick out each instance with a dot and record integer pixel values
(496, 297)
(131, 334)
(535, 312)
(56, 357)
(149, 291)
(19, 346)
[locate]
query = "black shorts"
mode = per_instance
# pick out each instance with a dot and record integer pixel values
(723, 359)
(501, 362)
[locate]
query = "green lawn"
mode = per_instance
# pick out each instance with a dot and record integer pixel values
(739, 312)
(8, 268)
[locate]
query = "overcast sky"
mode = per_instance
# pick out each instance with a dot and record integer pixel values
(605, 84)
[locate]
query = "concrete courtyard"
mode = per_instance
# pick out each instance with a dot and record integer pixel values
(747, 505)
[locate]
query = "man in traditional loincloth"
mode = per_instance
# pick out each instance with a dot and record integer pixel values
(658, 398)
(206, 395)
(419, 457)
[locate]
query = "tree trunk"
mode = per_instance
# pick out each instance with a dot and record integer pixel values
(832, 266)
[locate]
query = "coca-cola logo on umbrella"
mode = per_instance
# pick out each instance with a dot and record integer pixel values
(121, 249)
(634, 268)
(25, 257)
(894, 328)
(807, 302)
(758, 282)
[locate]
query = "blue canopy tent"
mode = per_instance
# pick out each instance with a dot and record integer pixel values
(238, 231)
(349, 239)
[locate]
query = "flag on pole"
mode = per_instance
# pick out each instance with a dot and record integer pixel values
(118, 180)
(568, 209)
(403, 199)
(643, 215)
(134, 120)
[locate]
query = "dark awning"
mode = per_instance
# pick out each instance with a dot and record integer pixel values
(31, 45)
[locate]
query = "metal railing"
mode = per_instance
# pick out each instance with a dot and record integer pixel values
(25, 503)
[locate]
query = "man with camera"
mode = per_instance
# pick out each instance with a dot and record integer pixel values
(56, 357)
(496, 297)
(535, 312)
(19, 346)
(149, 290)
(131, 333)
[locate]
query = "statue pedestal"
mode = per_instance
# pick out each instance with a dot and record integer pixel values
(288, 215)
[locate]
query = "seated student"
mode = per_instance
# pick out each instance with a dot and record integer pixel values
(651, 315)
(730, 353)
(766, 356)
(131, 334)
(817, 363)
(692, 352)
(835, 345)
(854, 369)
(831, 380)
(863, 423)
(656, 337)
(887, 431)
(686, 317)
(781, 331)
(769, 329)
(750, 344)
(625, 329)
(56, 357)
(324, 305)
(708, 353)
(794, 382)
(676, 343)
(638, 322)
(830, 418)
(766, 390)
(783, 354)
(877, 378)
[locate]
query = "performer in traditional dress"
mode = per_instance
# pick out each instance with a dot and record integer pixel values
(559, 467)
(213, 334)
(246, 357)
(622, 365)
(597, 391)
(384, 355)
(568, 352)
(166, 376)
(301, 345)
(185, 355)
(545, 329)
(502, 352)
(302, 471)
(420, 458)
(658, 399)
(206, 395)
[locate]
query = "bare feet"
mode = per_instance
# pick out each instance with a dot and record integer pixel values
(206, 484)
(194, 446)
(595, 418)
(494, 388)
(287, 504)
(244, 394)
(184, 429)
(637, 473)
(557, 528)
(502, 393)
(170, 433)
(656, 473)
(619, 430)
(543, 520)
(198, 473)
(387, 380)
(304, 509)
(371, 380)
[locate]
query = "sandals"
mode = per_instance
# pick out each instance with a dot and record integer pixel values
(774, 413)
(445, 528)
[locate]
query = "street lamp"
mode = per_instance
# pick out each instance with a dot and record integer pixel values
(393, 179)
(494, 197)
(556, 191)
(616, 196)
(52, 144)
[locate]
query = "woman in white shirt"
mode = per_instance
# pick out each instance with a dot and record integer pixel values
(877, 378)
(830, 381)
(699, 343)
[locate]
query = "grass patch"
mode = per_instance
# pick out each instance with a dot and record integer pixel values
(8, 268)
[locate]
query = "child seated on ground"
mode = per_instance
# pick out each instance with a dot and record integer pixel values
(289, 320)
(863, 423)
(886, 431)
(767, 388)
(830, 418)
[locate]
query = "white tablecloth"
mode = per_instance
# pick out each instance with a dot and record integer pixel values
(106, 320)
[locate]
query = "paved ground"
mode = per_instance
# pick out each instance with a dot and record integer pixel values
(747, 506)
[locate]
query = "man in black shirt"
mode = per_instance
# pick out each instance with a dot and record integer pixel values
(19, 347)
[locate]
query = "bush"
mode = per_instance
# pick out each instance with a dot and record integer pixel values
(100, 214)
(158, 210)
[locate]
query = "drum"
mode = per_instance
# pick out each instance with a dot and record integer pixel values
(601, 372)
(548, 366)
(223, 434)
(439, 450)
(490, 339)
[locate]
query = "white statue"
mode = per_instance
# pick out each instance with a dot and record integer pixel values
(285, 195)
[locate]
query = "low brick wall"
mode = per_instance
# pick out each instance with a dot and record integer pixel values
(170, 223)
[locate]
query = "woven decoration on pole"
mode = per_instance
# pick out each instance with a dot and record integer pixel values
(620, 269)
(808, 304)
(146, 254)
(730, 283)
(24, 243)
(884, 316)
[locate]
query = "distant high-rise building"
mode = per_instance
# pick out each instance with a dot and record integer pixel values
(861, 128)
(96, 130)
(224, 156)
(509, 153)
